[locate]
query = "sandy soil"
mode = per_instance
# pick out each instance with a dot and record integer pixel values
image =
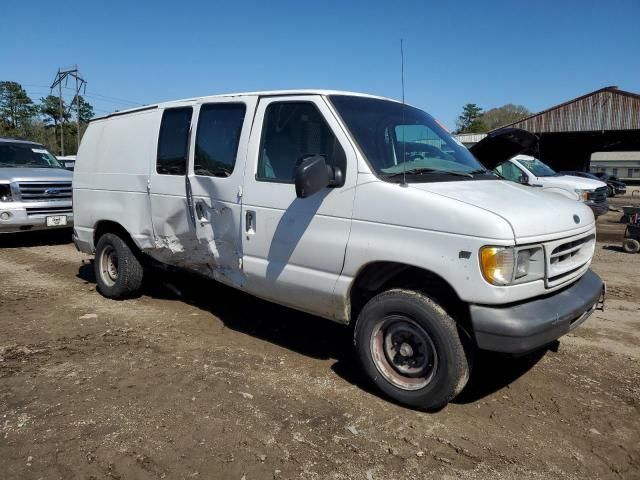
(194, 380)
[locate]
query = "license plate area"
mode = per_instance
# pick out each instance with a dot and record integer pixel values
(56, 220)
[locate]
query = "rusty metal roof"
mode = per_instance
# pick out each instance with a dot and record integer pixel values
(606, 109)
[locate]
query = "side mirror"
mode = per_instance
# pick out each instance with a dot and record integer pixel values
(524, 180)
(312, 174)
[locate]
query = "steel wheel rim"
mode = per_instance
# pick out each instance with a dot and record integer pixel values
(403, 352)
(109, 266)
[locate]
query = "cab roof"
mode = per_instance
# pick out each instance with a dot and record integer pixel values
(265, 93)
(17, 140)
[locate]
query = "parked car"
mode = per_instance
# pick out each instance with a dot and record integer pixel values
(530, 171)
(614, 185)
(35, 190)
(355, 208)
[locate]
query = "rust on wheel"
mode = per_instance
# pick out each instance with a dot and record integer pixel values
(403, 352)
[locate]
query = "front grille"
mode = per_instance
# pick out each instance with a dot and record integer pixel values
(48, 211)
(39, 191)
(568, 258)
(599, 195)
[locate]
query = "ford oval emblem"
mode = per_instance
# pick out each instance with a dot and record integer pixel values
(576, 218)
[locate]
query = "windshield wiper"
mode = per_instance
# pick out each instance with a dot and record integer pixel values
(426, 171)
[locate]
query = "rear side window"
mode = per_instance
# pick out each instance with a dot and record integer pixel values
(291, 132)
(219, 129)
(173, 144)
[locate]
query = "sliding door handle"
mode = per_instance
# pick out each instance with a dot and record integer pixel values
(250, 222)
(201, 212)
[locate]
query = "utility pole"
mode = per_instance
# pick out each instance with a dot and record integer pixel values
(63, 75)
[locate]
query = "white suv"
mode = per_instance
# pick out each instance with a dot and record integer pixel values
(355, 208)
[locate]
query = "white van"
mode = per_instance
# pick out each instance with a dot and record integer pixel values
(355, 208)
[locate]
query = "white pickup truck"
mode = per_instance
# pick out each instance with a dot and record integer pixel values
(35, 190)
(355, 208)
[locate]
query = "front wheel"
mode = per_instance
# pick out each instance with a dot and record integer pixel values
(411, 349)
(118, 270)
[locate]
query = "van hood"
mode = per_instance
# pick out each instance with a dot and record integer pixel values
(532, 214)
(35, 175)
(572, 182)
(501, 145)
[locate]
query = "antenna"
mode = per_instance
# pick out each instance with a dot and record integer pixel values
(404, 145)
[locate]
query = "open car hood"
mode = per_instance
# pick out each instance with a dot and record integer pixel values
(501, 145)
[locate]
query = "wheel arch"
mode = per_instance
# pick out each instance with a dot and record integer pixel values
(109, 226)
(379, 276)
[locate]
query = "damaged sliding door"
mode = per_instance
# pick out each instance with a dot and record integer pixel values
(174, 232)
(215, 184)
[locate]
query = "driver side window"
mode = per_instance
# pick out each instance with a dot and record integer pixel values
(509, 171)
(291, 132)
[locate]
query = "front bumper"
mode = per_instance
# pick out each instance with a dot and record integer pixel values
(524, 327)
(598, 208)
(20, 221)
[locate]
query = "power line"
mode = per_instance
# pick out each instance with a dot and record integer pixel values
(94, 95)
(38, 93)
(121, 100)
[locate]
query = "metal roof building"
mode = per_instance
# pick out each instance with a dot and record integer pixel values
(605, 120)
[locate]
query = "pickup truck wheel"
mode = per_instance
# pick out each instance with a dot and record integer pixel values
(411, 349)
(631, 245)
(118, 271)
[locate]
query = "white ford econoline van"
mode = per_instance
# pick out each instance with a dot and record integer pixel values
(351, 207)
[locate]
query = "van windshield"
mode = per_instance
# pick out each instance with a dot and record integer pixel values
(19, 155)
(398, 139)
(538, 168)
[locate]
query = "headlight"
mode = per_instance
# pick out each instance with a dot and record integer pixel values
(583, 195)
(509, 265)
(5, 192)
(497, 264)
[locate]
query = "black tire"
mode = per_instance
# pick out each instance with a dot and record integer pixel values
(118, 270)
(432, 369)
(631, 245)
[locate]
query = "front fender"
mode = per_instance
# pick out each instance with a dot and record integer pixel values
(562, 192)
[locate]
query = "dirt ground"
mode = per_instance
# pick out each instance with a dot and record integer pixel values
(195, 380)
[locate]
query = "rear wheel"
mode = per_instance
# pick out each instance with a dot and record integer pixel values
(411, 349)
(118, 270)
(631, 245)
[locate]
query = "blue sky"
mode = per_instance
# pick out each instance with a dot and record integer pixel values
(486, 52)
